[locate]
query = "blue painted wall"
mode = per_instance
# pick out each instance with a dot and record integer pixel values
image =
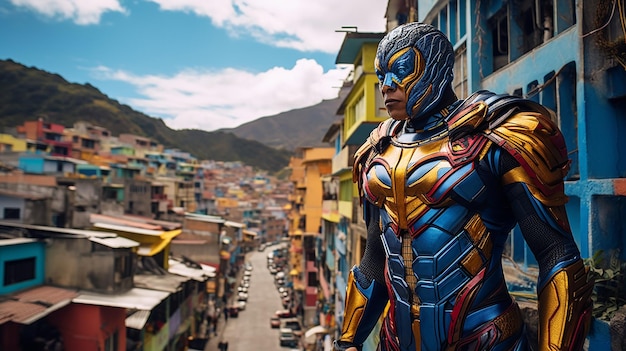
(22, 251)
(577, 80)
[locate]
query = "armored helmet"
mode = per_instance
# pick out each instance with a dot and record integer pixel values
(419, 59)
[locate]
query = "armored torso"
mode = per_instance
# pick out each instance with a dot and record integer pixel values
(439, 250)
(439, 206)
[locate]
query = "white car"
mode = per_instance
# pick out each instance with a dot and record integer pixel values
(242, 296)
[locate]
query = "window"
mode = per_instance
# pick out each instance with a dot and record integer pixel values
(11, 213)
(123, 265)
(312, 278)
(110, 344)
(17, 271)
(379, 102)
(499, 25)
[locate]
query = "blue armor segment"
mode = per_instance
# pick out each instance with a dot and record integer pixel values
(365, 302)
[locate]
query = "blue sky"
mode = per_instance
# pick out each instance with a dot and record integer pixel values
(206, 64)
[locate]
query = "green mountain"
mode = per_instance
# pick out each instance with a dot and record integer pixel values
(27, 93)
(289, 130)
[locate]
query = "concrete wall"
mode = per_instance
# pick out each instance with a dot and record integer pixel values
(72, 262)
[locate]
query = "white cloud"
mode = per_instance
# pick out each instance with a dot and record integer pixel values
(82, 12)
(227, 98)
(299, 24)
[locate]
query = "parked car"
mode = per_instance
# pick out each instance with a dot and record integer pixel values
(293, 324)
(233, 311)
(274, 322)
(284, 314)
(242, 296)
(196, 344)
(241, 305)
(286, 301)
(287, 338)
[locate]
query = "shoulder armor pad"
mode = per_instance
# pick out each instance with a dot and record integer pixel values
(375, 143)
(485, 110)
(525, 130)
(539, 147)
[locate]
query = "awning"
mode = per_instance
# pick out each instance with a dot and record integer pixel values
(309, 335)
(137, 320)
(31, 305)
(136, 298)
(250, 232)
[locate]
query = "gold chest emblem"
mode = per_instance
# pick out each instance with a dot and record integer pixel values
(403, 179)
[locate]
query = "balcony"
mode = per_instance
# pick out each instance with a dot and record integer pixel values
(344, 160)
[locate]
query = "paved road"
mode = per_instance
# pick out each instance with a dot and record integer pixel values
(251, 330)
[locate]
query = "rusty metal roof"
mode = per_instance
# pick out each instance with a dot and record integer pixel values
(33, 304)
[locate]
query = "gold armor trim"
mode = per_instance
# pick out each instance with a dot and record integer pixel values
(564, 304)
(510, 322)
(475, 259)
(531, 135)
(353, 312)
(469, 118)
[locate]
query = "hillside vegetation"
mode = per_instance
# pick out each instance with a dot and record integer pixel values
(27, 93)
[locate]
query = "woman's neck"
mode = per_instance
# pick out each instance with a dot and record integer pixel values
(419, 129)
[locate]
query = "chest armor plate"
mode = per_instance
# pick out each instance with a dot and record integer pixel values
(408, 179)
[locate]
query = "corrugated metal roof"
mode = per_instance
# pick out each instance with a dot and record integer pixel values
(234, 224)
(16, 241)
(119, 220)
(176, 267)
(128, 229)
(204, 218)
(136, 298)
(170, 282)
(33, 304)
(116, 242)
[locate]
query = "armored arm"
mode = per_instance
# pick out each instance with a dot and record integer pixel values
(534, 186)
(366, 294)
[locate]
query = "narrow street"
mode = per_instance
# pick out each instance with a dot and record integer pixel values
(251, 329)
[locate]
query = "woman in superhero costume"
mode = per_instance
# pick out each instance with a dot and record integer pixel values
(443, 182)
